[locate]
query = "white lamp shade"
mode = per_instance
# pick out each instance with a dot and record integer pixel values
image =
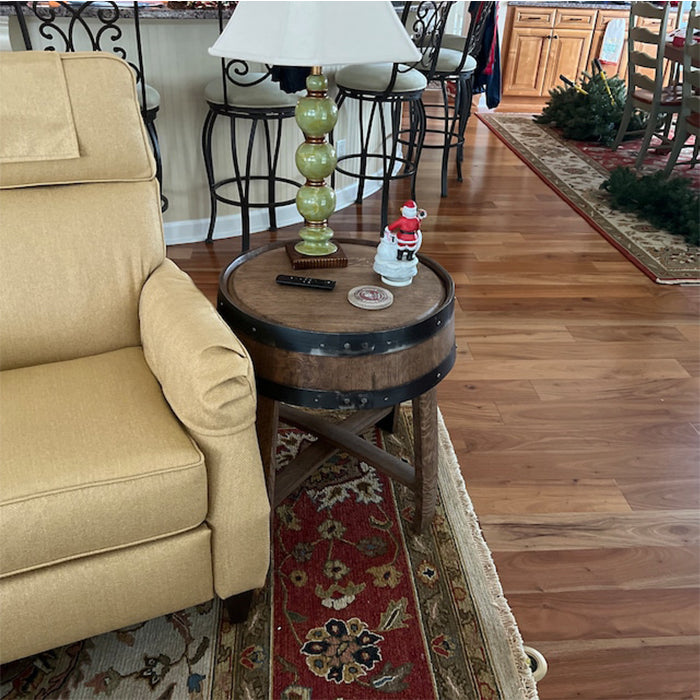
(315, 33)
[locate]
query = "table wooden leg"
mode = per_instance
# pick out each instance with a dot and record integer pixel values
(332, 438)
(425, 458)
(267, 420)
(390, 423)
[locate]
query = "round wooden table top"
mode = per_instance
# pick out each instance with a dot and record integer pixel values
(314, 348)
(249, 286)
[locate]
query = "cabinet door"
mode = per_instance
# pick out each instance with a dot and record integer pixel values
(526, 63)
(568, 55)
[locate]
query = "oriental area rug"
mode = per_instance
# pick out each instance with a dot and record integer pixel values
(575, 171)
(356, 606)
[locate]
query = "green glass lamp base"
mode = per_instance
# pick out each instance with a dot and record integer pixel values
(314, 248)
(316, 114)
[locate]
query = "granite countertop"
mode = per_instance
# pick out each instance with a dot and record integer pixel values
(574, 4)
(176, 10)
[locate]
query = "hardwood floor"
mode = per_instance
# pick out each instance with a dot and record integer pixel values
(574, 411)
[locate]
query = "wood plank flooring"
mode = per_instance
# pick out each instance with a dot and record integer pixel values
(574, 411)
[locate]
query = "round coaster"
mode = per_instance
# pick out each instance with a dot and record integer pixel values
(370, 297)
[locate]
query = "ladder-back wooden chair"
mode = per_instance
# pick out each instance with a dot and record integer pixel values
(688, 122)
(645, 45)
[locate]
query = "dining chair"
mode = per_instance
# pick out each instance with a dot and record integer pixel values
(646, 88)
(380, 92)
(454, 73)
(688, 122)
(97, 26)
(256, 108)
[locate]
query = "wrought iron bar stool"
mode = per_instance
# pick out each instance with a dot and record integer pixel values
(97, 26)
(456, 66)
(381, 91)
(248, 99)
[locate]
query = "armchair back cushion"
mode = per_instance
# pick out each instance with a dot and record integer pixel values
(100, 232)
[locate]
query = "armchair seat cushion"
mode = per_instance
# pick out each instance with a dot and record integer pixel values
(122, 469)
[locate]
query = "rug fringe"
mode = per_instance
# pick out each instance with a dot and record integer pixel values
(509, 659)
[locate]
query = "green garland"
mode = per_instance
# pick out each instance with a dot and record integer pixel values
(589, 117)
(667, 203)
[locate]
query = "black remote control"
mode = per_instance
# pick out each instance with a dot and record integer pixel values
(310, 282)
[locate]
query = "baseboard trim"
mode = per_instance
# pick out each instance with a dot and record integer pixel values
(229, 226)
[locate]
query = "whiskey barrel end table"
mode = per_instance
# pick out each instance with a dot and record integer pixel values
(313, 349)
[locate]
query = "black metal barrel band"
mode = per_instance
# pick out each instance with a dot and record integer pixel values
(335, 344)
(376, 398)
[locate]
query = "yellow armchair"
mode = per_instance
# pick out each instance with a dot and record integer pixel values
(130, 478)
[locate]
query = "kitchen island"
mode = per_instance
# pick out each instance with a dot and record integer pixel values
(178, 66)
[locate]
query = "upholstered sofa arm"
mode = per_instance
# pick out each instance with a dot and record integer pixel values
(207, 378)
(205, 372)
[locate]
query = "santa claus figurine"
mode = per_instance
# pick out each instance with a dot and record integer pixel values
(406, 230)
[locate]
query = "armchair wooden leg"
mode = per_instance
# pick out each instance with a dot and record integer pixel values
(238, 606)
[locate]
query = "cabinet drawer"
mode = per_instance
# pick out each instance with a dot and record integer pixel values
(574, 19)
(534, 16)
(605, 16)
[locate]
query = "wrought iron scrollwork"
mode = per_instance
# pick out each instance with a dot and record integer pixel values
(66, 27)
(425, 23)
(236, 69)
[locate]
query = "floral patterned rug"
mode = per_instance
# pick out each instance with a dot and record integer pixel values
(575, 171)
(356, 606)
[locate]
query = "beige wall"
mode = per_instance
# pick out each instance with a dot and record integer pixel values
(178, 66)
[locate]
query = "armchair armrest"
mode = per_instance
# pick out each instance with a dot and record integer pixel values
(205, 372)
(207, 378)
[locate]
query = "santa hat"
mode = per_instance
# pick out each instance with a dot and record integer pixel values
(409, 209)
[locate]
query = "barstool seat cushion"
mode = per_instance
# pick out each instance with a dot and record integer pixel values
(265, 94)
(450, 56)
(375, 77)
(152, 97)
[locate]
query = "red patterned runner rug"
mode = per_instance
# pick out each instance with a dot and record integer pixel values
(575, 171)
(356, 606)
(363, 608)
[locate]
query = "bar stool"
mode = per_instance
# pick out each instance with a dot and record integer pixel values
(456, 66)
(381, 91)
(65, 27)
(247, 98)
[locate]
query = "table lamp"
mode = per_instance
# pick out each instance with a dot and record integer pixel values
(313, 34)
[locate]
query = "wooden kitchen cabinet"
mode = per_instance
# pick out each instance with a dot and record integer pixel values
(543, 42)
(568, 55)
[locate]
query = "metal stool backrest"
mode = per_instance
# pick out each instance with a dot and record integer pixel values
(65, 27)
(479, 13)
(235, 70)
(425, 23)
(645, 46)
(471, 45)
